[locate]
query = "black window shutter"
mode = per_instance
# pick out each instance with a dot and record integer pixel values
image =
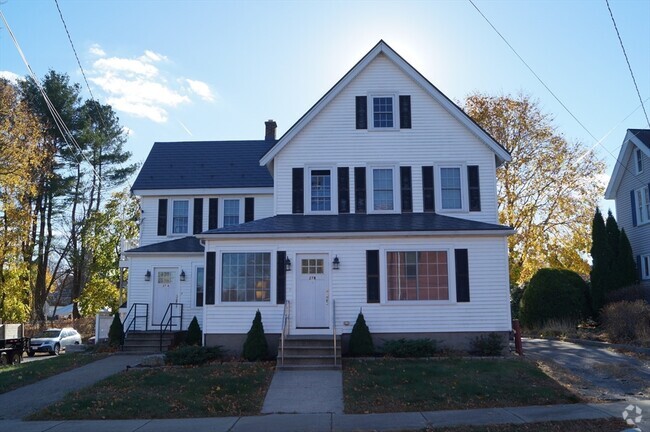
(249, 209)
(362, 112)
(474, 189)
(281, 278)
(372, 276)
(162, 217)
(633, 208)
(360, 189)
(213, 213)
(427, 189)
(197, 226)
(462, 276)
(298, 197)
(406, 189)
(210, 276)
(343, 174)
(405, 112)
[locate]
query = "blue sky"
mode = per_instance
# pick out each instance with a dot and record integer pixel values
(213, 70)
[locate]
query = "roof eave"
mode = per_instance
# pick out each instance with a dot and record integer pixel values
(359, 234)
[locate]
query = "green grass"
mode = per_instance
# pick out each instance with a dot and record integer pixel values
(389, 385)
(212, 390)
(601, 425)
(12, 377)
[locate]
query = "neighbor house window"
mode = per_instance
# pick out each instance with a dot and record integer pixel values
(246, 277)
(645, 267)
(421, 275)
(639, 161)
(382, 115)
(382, 189)
(643, 205)
(321, 190)
(198, 283)
(180, 211)
(450, 188)
(230, 212)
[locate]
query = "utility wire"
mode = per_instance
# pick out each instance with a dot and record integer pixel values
(627, 60)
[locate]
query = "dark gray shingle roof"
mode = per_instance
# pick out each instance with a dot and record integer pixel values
(643, 135)
(182, 245)
(205, 164)
(352, 223)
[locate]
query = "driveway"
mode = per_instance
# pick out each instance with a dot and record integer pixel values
(603, 373)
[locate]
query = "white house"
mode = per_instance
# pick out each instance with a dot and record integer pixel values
(630, 187)
(381, 198)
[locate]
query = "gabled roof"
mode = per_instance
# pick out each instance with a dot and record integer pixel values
(382, 47)
(399, 224)
(181, 245)
(634, 138)
(204, 164)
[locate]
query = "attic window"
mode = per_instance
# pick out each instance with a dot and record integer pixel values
(639, 161)
(383, 114)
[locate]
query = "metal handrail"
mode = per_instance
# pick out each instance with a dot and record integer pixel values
(286, 318)
(134, 319)
(334, 327)
(169, 324)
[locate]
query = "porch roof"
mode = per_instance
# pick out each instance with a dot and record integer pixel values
(181, 245)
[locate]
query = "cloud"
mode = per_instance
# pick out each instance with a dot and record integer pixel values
(10, 76)
(201, 89)
(97, 50)
(140, 85)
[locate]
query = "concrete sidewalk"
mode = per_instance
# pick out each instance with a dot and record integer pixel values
(305, 392)
(29, 399)
(342, 422)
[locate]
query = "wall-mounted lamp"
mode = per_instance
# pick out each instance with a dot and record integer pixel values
(147, 276)
(287, 264)
(336, 263)
(182, 275)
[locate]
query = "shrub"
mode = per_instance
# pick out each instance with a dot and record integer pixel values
(116, 332)
(559, 328)
(360, 339)
(410, 348)
(491, 344)
(627, 321)
(256, 347)
(516, 293)
(193, 355)
(194, 334)
(629, 293)
(554, 293)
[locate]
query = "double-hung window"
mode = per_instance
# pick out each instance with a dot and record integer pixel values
(230, 212)
(180, 218)
(645, 267)
(383, 189)
(383, 112)
(246, 277)
(643, 205)
(638, 156)
(451, 196)
(321, 190)
(198, 284)
(417, 275)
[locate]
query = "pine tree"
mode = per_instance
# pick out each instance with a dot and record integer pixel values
(256, 347)
(600, 254)
(194, 334)
(613, 236)
(625, 266)
(360, 339)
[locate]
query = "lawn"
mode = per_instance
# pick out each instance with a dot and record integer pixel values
(601, 425)
(390, 385)
(212, 390)
(12, 377)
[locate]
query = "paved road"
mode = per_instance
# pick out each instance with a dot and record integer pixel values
(26, 400)
(609, 374)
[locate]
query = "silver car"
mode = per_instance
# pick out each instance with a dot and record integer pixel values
(53, 341)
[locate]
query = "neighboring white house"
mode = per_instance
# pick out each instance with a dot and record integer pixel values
(381, 198)
(630, 187)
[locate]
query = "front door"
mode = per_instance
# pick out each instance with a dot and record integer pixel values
(312, 292)
(165, 291)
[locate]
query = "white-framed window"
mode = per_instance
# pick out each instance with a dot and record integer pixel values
(180, 216)
(199, 287)
(638, 160)
(645, 267)
(451, 193)
(231, 211)
(246, 277)
(417, 275)
(383, 193)
(383, 112)
(320, 189)
(642, 205)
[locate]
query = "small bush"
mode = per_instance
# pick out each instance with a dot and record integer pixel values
(194, 335)
(630, 294)
(116, 332)
(554, 293)
(193, 355)
(487, 345)
(256, 348)
(410, 348)
(627, 321)
(559, 328)
(360, 339)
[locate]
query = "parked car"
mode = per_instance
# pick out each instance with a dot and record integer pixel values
(53, 341)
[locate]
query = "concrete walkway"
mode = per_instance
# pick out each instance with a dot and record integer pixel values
(29, 399)
(341, 422)
(305, 392)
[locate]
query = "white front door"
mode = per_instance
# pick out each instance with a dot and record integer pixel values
(312, 292)
(165, 291)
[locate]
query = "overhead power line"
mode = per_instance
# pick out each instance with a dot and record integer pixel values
(627, 60)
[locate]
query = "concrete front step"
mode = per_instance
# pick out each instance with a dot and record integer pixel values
(308, 367)
(307, 350)
(309, 360)
(310, 352)
(147, 342)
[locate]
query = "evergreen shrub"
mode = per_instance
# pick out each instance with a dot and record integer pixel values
(256, 348)
(360, 339)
